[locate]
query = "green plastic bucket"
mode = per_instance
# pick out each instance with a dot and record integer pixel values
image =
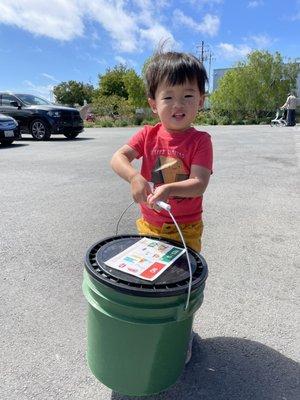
(138, 331)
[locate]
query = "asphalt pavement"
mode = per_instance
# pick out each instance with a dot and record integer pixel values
(59, 197)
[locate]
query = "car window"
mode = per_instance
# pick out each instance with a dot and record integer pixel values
(30, 99)
(6, 99)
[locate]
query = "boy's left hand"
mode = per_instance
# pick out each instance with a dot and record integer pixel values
(161, 193)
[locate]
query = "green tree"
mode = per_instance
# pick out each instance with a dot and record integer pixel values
(123, 82)
(73, 92)
(255, 87)
(135, 88)
(111, 106)
(120, 92)
(112, 82)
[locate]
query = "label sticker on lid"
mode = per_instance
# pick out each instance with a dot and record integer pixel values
(146, 259)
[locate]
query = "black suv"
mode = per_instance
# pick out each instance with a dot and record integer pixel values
(39, 117)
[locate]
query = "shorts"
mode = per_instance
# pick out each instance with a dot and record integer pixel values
(191, 232)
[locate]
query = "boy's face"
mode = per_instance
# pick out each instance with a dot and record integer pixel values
(177, 105)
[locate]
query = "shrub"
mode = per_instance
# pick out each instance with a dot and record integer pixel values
(252, 121)
(149, 121)
(211, 121)
(237, 122)
(104, 122)
(107, 124)
(206, 117)
(224, 120)
(121, 122)
(201, 118)
(89, 124)
(264, 121)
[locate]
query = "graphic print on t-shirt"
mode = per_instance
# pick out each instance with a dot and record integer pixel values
(168, 170)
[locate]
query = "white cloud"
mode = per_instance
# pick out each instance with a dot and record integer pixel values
(126, 22)
(209, 25)
(121, 60)
(261, 40)
(57, 19)
(230, 51)
(91, 58)
(116, 21)
(255, 3)
(50, 77)
(126, 61)
(151, 4)
(202, 3)
(41, 90)
(157, 34)
(235, 52)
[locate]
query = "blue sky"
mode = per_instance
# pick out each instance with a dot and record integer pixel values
(43, 43)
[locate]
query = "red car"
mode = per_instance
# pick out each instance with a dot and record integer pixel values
(90, 118)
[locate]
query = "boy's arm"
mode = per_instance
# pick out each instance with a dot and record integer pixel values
(121, 164)
(194, 186)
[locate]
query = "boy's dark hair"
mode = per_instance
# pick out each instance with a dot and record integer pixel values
(174, 69)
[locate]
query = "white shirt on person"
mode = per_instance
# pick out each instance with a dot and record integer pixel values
(291, 103)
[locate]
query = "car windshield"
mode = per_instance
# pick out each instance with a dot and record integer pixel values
(30, 99)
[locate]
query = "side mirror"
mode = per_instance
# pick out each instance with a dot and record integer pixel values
(15, 104)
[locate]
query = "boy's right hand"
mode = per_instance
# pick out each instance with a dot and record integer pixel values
(140, 188)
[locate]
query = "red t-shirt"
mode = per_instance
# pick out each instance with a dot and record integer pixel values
(167, 157)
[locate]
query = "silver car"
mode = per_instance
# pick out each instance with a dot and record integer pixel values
(9, 130)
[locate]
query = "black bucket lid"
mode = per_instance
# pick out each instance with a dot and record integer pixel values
(173, 281)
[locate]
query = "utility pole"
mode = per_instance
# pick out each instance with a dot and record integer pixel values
(205, 54)
(204, 50)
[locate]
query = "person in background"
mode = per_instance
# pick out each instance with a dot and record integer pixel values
(290, 105)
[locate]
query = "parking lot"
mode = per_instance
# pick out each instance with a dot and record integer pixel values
(59, 197)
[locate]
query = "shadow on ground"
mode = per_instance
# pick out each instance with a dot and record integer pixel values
(235, 369)
(54, 138)
(14, 145)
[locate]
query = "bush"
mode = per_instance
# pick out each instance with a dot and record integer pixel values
(224, 120)
(201, 118)
(121, 122)
(264, 121)
(206, 117)
(89, 124)
(150, 121)
(104, 122)
(211, 121)
(237, 122)
(107, 124)
(253, 121)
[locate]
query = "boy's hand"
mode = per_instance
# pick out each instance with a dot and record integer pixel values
(140, 188)
(161, 193)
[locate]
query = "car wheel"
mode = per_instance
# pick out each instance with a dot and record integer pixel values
(7, 142)
(71, 135)
(39, 130)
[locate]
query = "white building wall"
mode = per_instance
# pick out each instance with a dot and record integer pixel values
(298, 86)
